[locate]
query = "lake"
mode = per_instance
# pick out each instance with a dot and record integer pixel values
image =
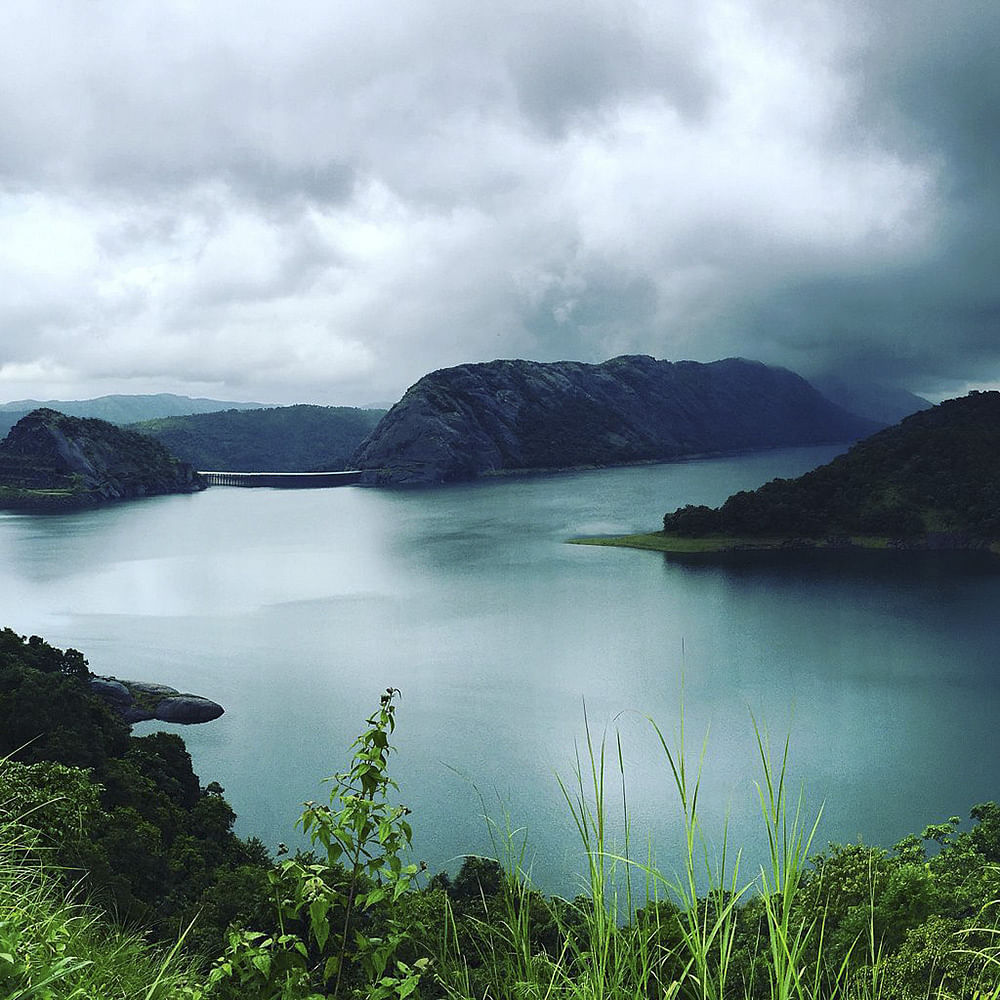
(295, 609)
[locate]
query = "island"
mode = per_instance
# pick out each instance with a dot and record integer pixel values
(931, 482)
(52, 463)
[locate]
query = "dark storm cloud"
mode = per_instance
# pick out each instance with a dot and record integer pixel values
(928, 87)
(326, 202)
(574, 61)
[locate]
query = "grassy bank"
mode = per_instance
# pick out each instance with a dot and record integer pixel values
(659, 541)
(56, 946)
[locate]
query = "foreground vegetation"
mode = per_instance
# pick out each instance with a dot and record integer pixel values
(89, 811)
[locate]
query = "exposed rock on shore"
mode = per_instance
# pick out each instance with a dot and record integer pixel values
(140, 701)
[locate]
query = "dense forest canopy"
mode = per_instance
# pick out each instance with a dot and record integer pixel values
(300, 438)
(937, 473)
(151, 838)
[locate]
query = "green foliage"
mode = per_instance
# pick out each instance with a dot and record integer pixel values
(60, 803)
(54, 947)
(849, 922)
(151, 841)
(334, 912)
(277, 439)
(934, 472)
(46, 709)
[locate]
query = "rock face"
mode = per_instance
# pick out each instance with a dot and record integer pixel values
(139, 701)
(50, 461)
(480, 419)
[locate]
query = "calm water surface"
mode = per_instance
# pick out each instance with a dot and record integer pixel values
(295, 608)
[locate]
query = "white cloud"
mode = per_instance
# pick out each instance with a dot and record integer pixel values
(326, 201)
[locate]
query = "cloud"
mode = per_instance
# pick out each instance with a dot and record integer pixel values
(325, 202)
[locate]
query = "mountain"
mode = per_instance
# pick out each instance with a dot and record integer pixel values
(481, 419)
(119, 409)
(885, 404)
(280, 439)
(932, 480)
(53, 462)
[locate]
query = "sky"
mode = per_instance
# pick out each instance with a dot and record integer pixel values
(321, 202)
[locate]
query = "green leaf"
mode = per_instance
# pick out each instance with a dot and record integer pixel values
(375, 896)
(318, 910)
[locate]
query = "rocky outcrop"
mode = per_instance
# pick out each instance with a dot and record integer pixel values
(481, 419)
(50, 461)
(140, 701)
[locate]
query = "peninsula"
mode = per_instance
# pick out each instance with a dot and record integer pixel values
(930, 482)
(512, 416)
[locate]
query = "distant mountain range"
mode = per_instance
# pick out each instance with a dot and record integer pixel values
(481, 419)
(299, 438)
(885, 404)
(931, 481)
(119, 409)
(506, 416)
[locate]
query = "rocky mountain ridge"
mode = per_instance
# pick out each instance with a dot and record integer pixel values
(512, 415)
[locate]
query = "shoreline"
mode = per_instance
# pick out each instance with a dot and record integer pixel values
(708, 545)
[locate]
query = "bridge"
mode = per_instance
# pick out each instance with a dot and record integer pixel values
(283, 480)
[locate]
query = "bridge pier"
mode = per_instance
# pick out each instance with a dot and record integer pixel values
(282, 480)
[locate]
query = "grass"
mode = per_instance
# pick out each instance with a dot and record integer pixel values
(680, 937)
(658, 541)
(55, 947)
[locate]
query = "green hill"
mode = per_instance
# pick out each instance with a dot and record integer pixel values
(299, 438)
(931, 481)
(52, 462)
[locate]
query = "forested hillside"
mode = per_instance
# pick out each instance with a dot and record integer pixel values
(128, 810)
(934, 477)
(298, 438)
(51, 462)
